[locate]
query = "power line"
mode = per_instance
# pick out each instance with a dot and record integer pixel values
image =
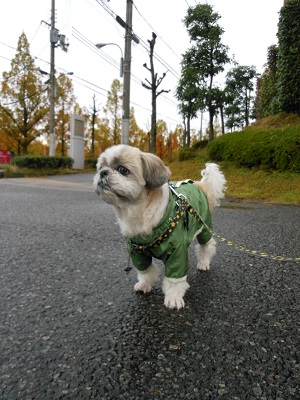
(142, 42)
(35, 33)
(97, 89)
(24, 98)
(106, 8)
(154, 30)
(91, 46)
(86, 42)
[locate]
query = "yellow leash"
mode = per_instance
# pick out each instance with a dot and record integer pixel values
(242, 248)
(192, 211)
(255, 252)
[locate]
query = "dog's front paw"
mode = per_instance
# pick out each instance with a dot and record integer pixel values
(174, 302)
(142, 287)
(174, 290)
(203, 266)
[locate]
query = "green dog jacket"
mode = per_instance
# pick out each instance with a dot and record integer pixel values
(172, 248)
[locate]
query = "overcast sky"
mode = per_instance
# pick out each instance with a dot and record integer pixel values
(250, 27)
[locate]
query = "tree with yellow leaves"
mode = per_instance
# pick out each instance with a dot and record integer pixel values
(23, 101)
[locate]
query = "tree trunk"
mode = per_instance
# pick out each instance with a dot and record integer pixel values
(93, 126)
(201, 120)
(211, 124)
(153, 124)
(222, 120)
(188, 131)
(184, 133)
(153, 85)
(63, 130)
(246, 109)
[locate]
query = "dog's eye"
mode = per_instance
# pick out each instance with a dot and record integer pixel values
(122, 170)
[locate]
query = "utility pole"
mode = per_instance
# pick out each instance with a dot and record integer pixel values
(126, 78)
(53, 41)
(55, 37)
(129, 36)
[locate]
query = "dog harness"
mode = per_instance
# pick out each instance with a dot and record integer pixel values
(170, 239)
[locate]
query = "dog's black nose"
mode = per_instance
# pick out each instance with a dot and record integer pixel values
(103, 174)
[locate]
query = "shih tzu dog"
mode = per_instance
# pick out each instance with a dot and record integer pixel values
(160, 219)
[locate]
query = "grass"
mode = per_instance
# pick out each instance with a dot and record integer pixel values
(243, 183)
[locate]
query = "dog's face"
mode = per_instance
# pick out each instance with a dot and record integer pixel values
(124, 172)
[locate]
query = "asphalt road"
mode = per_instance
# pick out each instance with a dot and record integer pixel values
(72, 327)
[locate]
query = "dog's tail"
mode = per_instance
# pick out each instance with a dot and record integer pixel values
(213, 183)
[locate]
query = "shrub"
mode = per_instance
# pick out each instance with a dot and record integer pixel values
(90, 162)
(38, 162)
(277, 149)
(201, 144)
(186, 153)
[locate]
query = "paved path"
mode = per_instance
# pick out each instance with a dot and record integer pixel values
(72, 327)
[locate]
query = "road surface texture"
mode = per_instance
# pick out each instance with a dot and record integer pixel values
(73, 328)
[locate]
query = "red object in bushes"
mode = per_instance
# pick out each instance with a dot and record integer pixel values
(4, 156)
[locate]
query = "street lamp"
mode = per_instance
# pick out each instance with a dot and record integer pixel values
(126, 89)
(100, 45)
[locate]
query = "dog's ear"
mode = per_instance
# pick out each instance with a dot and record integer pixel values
(155, 172)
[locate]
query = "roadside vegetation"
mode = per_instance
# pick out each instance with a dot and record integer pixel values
(260, 163)
(257, 180)
(252, 184)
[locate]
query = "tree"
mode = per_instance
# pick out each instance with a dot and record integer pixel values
(289, 57)
(173, 142)
(138, 137)
(93, 119)
(187, 92)
(153, 86)
(161, 138)
(223, 98)
(102, 136)
(233, 116)
(239, 85)
(114, 107)
(207, 56)
(23, 100)
(266, 101)
(65, 101)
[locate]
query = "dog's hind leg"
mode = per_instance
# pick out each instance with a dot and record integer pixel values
(146, 279)
(204, 254)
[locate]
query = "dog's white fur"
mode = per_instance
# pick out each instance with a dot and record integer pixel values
(140, 195)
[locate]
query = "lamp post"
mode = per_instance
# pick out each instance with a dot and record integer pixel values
(125, 73)
(100, 45)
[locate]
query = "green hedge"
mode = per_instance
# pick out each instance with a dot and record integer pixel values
(38, 162)
(90, 162)
(186, 153)
(201, 144)
(276, 149)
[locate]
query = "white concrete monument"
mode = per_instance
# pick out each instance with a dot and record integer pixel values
(77, 141)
